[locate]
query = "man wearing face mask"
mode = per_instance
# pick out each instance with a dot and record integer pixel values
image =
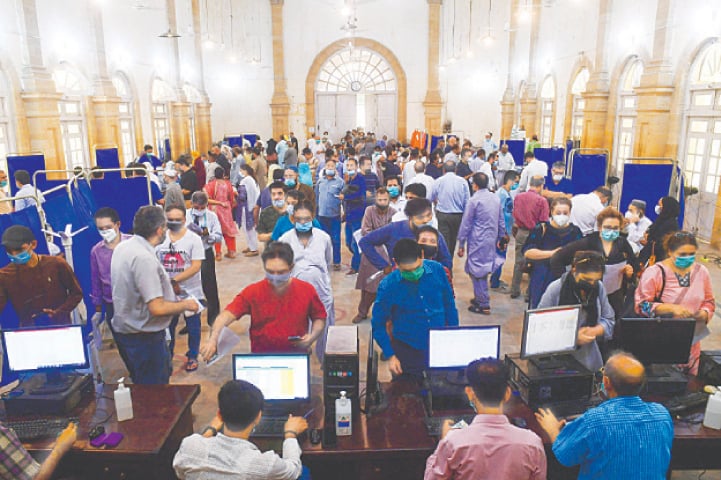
(5, 207)
(182, 254)
(354, 205)
(490, 447)
(279, 306)
(144, 300)
(107, 222)
(269, 216)
(42, 289)
(329, 194)
(483, 229)
(559, 186)
(393, 185)
(583, 285)
(291, 181)
(415, 298)
(427, 237)
(636, 223)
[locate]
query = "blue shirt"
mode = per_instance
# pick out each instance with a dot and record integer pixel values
(327, 192)
(284, 225)
(388, 235)
(624, 437)
(564, 186)
(355, 203)
(414, 307)
(451, 192)
(507, 206)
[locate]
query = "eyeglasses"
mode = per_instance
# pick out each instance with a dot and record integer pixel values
(683, 234)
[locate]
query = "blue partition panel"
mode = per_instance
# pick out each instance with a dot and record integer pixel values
(569, 147)
(434, 141)
(234, 140)
(252, 138)
(31, 163)
(589, 172)
(125, 195)
(517, 148)
(550, 156)
(636, 184)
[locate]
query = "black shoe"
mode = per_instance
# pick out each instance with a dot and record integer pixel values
(515, 295)
(183, 331)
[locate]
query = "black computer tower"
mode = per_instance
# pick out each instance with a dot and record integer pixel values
(709, 368)
(341, 370)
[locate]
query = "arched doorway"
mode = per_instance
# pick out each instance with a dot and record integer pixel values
(357, 84)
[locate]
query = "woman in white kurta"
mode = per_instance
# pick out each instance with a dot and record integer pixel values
(248, 193)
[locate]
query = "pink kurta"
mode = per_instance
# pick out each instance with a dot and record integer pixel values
(222, 191)
(699, 296)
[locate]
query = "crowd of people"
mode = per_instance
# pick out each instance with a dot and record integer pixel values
(407, 213)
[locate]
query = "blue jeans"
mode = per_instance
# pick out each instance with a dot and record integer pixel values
(331, 226)
(147, 355)
(193, 323)
(350, 227)
(496, 277)
(305, 474)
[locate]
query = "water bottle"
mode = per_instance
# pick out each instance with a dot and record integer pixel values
(712, 419)
(343, 416)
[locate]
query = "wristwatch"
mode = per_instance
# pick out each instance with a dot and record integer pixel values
(211, 429)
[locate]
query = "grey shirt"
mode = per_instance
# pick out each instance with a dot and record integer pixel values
(174, 195)
(206, 219)
(137, 278)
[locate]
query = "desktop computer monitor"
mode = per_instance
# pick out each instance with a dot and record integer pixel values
(453, 348)
(281, 377)
(657, 340)
(548, 332)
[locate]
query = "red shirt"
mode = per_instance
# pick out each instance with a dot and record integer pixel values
(275, 317)
(530, 208)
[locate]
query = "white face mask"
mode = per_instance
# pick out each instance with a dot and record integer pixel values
(631, 216)
(658, 209)
(557, 178)
(108, 235)
(561, 220)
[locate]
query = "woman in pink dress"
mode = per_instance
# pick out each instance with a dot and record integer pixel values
(221, 198)
(678, 287)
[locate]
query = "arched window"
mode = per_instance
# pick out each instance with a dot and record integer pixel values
(579, 103)
(702, 155)
(356, 70)
(6, 132)
(548, 98)
(162, 95)
(74, 88)
(627, 102)
(125, 113)
(193, 96)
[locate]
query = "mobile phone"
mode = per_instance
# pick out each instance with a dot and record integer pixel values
(329, 438)
(294, 338)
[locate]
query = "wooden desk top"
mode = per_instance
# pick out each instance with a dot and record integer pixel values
(156, 408)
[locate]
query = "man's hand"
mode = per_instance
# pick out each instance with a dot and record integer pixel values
(549, 423)
(49, 312)
(217, 422)
(209, 349)
(66, 439)
(628, 271)
(295, 424)
(446, 427)
(701, 316)
(191, 305)
(305, 342)
(461, 251)
(195, 228)
(585, 336)
(394, 365)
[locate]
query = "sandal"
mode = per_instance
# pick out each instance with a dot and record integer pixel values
(476, 309)
(191, 365)
(218, 257)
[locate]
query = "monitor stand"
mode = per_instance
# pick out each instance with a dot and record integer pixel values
(551, 362)
(54, 383)
(457, 377)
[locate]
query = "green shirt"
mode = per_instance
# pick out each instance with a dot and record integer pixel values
(267, 219)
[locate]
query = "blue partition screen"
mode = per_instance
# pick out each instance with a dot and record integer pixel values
(517, 148)
(125, 195)
(589, 172)
(31, 163)
(107, 158)
(252, 138)
(234, 140)
(636, 185)
(550, 156)
(434, 141)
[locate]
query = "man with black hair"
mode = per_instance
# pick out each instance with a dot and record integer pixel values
(26, 192)
(624, 437)
(393, 185)
(450, 194)
(490, 447)
(188, 178)
(433, 169)
(533, 168)
(587, 206)
(415, 297)
(223, 449)
(279, 306)
(269, 216)
(148, 156)
(414, 190)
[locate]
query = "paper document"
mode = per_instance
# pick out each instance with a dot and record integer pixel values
(97, 337)
(357, 235)
(701, 331)
(227, 340)
(201, 307)
(613, 277)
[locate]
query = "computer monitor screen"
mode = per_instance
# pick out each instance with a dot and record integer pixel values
(45, 349)
(455, 348)
(550, 331)
(278, 376)
(657, 340)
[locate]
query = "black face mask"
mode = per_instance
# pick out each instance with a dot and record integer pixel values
(429, 251)
(175, 226)
(586, 286)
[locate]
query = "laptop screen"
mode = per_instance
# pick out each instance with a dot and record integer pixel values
(278, 376)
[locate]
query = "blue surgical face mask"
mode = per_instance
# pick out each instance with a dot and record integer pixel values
(278, 203)
(278, 280)
(514, 186)
(684, 262)
(330, 172)
(303, 227)
(21, 258)
(394, 192)
(290, 209)
(290, 182)
(351, 172)
(610, 235)
(4, 183)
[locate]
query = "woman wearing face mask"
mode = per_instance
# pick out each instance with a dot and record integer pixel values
(221, 197)
(247, 196)
(545, 240)
(636, 224)
(678, 287)
(583, 286)
(668, 210)
(313, 253)
(621, 262)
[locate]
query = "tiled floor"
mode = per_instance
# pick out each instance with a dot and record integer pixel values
(234, 275)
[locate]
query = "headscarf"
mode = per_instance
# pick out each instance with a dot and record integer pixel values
(199, 168)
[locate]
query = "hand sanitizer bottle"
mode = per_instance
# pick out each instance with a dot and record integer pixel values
(712, 419)
(123, 402)
(343, 416)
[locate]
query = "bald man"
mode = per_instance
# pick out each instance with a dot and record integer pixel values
(624, 437)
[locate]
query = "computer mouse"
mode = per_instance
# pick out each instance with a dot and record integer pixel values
(315, 436)
(519, 422)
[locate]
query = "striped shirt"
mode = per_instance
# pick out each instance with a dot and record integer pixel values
(15, 462)
(624, 437)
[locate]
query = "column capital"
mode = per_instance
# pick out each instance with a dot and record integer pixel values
(276, 2)
(435, 2)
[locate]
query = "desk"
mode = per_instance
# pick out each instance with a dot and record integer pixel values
(394, 444)
(162, 418)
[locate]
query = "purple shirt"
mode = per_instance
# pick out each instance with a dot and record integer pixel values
(100, 257)
(489, 448)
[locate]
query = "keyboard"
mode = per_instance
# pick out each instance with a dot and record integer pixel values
(270, 427)
(434, 424)
(39, 427)
(688, 401)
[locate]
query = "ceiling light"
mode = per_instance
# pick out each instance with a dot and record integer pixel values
(169, 34)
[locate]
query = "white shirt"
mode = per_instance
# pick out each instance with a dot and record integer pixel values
(409, 171)
(401, 215)
(488, 170)
(450, 156)
(226, 458)
(489, 146)
(636, 232)
(505, 162)
(26, 197)
(535, 168)
(586, 207)
(399, 205)
(426, 180)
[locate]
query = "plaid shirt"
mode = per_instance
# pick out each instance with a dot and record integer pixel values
(15, 462)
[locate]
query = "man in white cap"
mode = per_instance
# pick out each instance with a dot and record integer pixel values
(173, 192)
(488, 144)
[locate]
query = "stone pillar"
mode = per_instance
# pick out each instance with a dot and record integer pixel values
(596, 95)
(508, 103)
(180, 108)
(203, 132)
(40, 98)
(280, 103)
(529, 103)
(203, 126)
(433, 103)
